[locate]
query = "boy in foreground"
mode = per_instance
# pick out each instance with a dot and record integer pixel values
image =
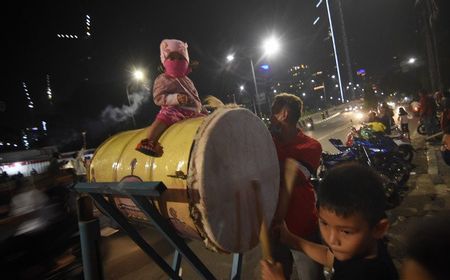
(352, 221)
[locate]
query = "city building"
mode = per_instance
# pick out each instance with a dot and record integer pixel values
(48, 76)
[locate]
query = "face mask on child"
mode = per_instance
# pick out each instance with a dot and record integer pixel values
(176, 68)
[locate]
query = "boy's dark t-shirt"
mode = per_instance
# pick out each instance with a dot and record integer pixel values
(380, 267)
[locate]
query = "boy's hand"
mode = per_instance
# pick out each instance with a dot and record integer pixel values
(271, 271)
(182, 99)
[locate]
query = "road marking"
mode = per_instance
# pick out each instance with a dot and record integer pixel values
(333, 132)
(329, 118)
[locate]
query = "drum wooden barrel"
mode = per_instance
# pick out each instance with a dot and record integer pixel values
(208, 166)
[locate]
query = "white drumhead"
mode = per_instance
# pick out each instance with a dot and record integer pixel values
(232, 148)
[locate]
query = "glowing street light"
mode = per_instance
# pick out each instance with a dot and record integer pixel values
(138, 76)
(241, 88)
(270, 47)
(412, 60)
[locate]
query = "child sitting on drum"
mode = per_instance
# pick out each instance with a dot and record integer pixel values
(174, 92)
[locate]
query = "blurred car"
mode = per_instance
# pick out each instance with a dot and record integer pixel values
(307, 124)
(351, 108)
(359, 115)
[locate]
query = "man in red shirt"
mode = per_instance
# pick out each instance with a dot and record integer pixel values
(427, 111)
(301, 216)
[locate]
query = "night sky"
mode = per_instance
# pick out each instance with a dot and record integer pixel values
(87, 76)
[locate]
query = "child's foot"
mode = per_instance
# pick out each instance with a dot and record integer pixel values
(150, 148)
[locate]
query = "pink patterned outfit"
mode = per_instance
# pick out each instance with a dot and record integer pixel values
(165, 91)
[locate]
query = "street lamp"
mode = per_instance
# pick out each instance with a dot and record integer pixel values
(412, 60)
(138, 76)
(255, 100)
(270, 47)
(241, 89)
(334, 49)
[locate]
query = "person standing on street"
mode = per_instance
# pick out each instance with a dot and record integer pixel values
(403, 119)
(427, 111)
(386, 117)
(301, 217)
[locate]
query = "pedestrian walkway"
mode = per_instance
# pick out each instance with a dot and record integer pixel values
(428, 194)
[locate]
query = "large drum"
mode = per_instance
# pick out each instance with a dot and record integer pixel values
(208, 166)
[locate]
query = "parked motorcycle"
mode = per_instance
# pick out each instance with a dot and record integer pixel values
(403, 142)
(393, 169)
(397, 143)
(434, 129)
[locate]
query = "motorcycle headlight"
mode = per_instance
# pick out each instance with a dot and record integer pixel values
(359, 115)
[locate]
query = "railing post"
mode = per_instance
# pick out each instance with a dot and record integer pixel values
(89, 227)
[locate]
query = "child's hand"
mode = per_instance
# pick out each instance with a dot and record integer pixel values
(182, 99)
(204, 110)
(271, 271)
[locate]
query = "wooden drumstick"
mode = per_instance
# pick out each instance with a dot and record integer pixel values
(290, 174)
(264, 232)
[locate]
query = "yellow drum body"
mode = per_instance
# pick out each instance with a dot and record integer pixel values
(208, 165)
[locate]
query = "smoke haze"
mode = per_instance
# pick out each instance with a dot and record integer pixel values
(124, 112)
